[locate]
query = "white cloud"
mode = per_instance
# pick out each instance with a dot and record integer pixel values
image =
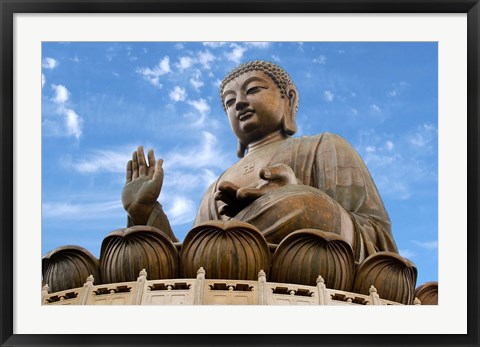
(73, 123)
(258, 44)
(49, 63)
(76, 211)
(205, 58)
(353, 111)
(328, 95)
(321, 59)
(153, 74)
(208, 155)
(406, 253)
(370, 149)
(276, 58)
(375, 108)
(214, 44)
(180, 211)
(101, 161)
(424, 136)
(43, 80)
(236, 54)
(195, 81)
(179, 46)
(61, 94)
(200, 105)
(185, 62)
(389, 145)
(75, 59)
(429, 245)
(178, 94)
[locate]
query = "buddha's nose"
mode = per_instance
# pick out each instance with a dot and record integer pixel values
(241, 103)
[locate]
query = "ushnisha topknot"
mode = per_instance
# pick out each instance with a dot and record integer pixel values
(276, 73)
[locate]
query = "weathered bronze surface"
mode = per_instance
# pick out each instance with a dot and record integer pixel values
(392, 275)
(125, 252)
(427, 293)
(305, 254)
(279, 187)
(67, 267)
(225, 249)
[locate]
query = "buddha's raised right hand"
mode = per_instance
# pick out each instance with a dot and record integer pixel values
(143, 186)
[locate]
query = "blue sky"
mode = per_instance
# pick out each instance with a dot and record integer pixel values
(100, 100)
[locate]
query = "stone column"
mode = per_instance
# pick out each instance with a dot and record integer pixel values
(262, 279)
(45, 292)
(323, 295)
(140, 287)
(374, 296)
(86, 290)
(199, 287)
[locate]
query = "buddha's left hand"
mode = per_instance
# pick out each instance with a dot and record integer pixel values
(271, 178)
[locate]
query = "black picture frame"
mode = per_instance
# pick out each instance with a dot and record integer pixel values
(10, 7)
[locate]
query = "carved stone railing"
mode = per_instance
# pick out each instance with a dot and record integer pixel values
(201, 291)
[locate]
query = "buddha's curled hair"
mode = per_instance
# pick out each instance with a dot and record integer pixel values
(276, 73)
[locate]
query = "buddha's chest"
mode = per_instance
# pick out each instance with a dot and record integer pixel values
(246, 171)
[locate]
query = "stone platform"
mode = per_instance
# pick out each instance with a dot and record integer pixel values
(202, 291)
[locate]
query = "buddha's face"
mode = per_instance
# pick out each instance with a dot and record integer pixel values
(254, 106)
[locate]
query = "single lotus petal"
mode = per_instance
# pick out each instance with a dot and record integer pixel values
(392, 275)
(307, 253)
(427, 293)
(68, 267)
(125, 252)
(225, 249)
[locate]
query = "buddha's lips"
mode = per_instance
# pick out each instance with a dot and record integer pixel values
(245, 115)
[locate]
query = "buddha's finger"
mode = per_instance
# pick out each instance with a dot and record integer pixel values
(134, 165)
(142, 164)
(281, 173)
(226, 210)
(250, 194)
(158, 174)
(129, 171)
(151, 163)
(227, 186)
(227, 197)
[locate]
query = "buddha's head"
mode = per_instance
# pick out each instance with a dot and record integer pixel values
(259, 98)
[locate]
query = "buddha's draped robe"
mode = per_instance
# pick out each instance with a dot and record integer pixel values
(324, 165)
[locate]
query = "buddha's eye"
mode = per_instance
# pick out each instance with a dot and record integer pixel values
(255, 89)
(229, 102)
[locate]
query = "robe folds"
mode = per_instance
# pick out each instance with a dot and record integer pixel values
(334, 184)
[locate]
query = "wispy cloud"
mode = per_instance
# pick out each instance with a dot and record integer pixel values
(49, 63)
(196, 81)
(375, 108)
(180, 210)
(200, 105)
(236, 54)
(43, 80)
(258, 44)
(321, 59)
(80, 211)
(423, 136)
(214, 44)
(61, 94)
(185, 63)
(153, 74)
(406, 253)
(328, 95)
(100, 161)
(72, 121)
(428, 245)
(178, 94)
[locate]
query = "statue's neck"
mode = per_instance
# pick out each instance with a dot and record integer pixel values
(273, 137)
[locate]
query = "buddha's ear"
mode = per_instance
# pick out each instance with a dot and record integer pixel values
(289, 124)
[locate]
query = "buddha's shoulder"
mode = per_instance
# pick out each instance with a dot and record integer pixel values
(323, 138)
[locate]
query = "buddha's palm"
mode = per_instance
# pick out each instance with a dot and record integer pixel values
(143, 186)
